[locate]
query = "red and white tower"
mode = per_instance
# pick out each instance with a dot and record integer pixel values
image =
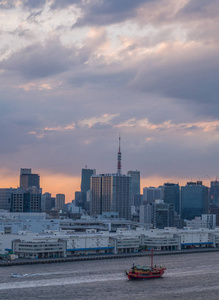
(119, 165)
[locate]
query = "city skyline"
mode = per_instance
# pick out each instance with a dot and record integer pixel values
(48, 186)
(75, 74)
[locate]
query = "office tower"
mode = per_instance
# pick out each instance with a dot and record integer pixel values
(135, 185)
(146, 213)
(138, 200)
(27, 179)
(111, 193)
(46, 202)
(85, 185)
(60, 201)
(194, 198)
(214, 194)
(78, 198)
(85, 179)
(119, 159)
(171, 195)
(53, 202)
(163, 214)
(26, 201)
(5, 198)
(151, 193)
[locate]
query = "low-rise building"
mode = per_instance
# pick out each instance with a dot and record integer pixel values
(42, 248)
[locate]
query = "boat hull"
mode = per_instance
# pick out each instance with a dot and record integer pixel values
(139, 276)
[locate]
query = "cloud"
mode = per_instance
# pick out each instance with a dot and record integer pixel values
(147, 69)
(200, 9)
(182, 72)
(8, 4)
(39, 61)
(98, 12)
(207, 126)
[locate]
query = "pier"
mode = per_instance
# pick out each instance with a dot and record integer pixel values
(100, 256)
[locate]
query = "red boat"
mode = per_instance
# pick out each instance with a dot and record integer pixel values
(143, 272)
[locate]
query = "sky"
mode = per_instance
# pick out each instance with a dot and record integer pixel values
(76, 74)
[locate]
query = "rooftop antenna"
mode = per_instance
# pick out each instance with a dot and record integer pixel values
(119, 165)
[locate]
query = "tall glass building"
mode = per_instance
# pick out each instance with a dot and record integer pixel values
(194, 198)
(171, 195)
(85, 179)
(135, 185)
(214, 194)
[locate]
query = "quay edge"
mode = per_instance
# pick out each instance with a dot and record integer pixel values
(99, 257)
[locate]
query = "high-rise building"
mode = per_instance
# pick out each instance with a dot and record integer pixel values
(26, 200)
(163, 214)
(171, 195)
(5, 198)
(27, 179)
(85, 185)
(85, 179)
(78, 198)
(146, 214)
(111, 193)
(135, 185)
(60, 201)
(138, 200)
(46, 202)
(150, 194)
(214, 194)
(119, 158)
(194, 198)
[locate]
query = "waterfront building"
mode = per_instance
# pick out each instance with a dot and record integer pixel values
(27, 179)
(13, 224)
(151, 193)
(59, 201)
(5, 198)
(205, 221)
(171, 195)
(104, 242)
(41, 248)
(111, 193)
(194, 197)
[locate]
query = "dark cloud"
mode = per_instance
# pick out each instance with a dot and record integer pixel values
(200, 8)
(105, 12)
(38, 61)
(189, 74)
(170, 73)
(57, 4)
(101, 78)
(34, 3)
(25, 3)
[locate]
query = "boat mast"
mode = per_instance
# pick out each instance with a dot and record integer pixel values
(152, 258)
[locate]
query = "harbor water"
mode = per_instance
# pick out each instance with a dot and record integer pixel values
(188, 276)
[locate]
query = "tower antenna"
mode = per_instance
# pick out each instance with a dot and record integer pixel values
(119, 165)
